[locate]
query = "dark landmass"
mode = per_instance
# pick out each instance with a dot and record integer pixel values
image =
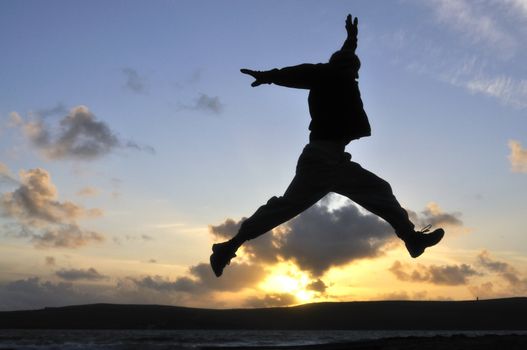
(496, 314)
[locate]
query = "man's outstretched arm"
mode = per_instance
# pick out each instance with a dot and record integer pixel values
(303, 76)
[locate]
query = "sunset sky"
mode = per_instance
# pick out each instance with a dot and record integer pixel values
(130, 142)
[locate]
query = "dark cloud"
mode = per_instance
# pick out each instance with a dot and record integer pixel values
(318, 238)
(505, 270)
(79, 135)
(33, 293)
(403, 295)
(134, 82)
(271, 300)
(50, 261)
(202, 280)
(64, 236)
(38, 215)
(451, 275)
(317, 286)
(35, 201)
(80, 274)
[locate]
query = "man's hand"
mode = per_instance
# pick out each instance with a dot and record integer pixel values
(352, 27)
(257, 75)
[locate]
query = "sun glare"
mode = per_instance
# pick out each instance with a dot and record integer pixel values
(287, 278)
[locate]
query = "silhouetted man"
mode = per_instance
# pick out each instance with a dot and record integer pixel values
(337, 118)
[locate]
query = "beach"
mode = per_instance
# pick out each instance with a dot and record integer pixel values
(454, 342)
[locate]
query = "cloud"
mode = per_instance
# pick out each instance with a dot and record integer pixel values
(80, 274)
(435, 216)
(509, 282)
(63, 236)
(202, 280)
(509, 90)
(38, 215)
(57, 109)
(206, 103)
(271, 300)
(35, 201)
(32, 293)
(479, 58)
(6, 176)
(318, 238)
(451, 275)
(518, 157)
(134, 82)
(87, 192)
(50, 260)
(79, 135)
(317, 286)
(474, 23)
(505, 270)
(402, 295)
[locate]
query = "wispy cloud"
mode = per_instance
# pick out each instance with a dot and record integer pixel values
(90, 274)
(88, 192)
(134, 81)
(517, 157)
(482, 56)
(475, 23)
(206, 103)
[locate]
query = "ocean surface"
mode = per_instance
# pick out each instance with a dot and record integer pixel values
(195, 339)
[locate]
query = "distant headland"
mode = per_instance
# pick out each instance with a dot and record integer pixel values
(494, 314)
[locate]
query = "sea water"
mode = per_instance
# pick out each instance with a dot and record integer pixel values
(195, 339)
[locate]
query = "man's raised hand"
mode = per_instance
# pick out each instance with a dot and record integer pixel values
(352, 27)
(257, 75)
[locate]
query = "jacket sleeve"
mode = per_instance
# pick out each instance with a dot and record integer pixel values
(303, 76)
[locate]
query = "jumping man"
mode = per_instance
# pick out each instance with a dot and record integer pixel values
(337, 118)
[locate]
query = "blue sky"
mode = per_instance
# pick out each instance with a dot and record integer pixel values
(182, 142)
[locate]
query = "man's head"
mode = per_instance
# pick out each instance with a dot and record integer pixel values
(347, 60)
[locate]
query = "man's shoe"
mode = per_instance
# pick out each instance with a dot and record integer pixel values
(222, 253)
(418, 241)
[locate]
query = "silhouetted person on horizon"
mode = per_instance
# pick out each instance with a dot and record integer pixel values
(337, 118)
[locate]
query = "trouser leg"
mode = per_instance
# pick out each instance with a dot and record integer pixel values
(313, 180)
(374, 194)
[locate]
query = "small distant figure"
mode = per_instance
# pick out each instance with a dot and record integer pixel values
(337, 118)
